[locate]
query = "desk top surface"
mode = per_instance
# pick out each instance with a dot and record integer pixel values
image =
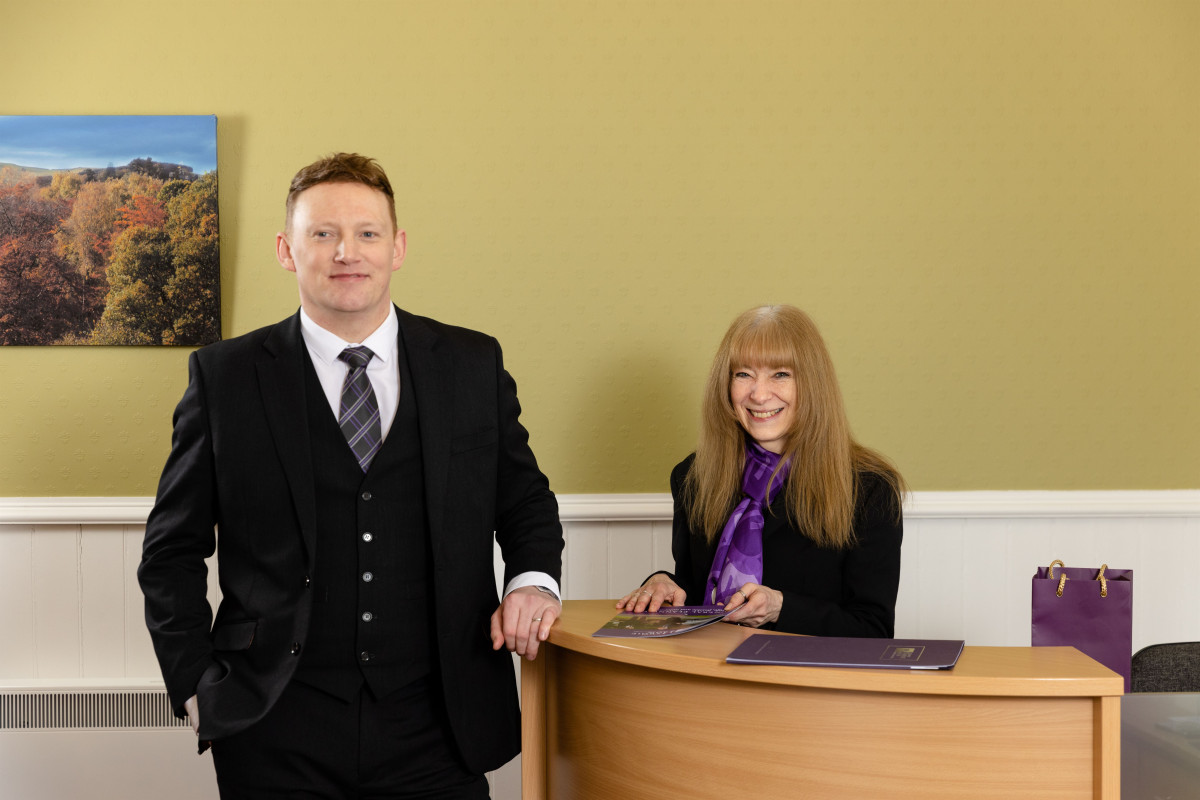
(998, 671)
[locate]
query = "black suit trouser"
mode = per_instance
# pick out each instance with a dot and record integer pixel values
(314, 745)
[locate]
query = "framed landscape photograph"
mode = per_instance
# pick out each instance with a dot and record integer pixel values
(108, 230)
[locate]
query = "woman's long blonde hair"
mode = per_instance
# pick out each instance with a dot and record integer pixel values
(823, 484)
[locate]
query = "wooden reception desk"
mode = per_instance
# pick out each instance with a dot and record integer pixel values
(668, 718)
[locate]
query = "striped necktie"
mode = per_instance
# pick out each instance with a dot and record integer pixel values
(359, 414)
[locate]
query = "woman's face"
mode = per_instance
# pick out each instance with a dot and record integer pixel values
(764, 399)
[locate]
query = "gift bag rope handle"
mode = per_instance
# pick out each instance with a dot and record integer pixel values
(1062, 579)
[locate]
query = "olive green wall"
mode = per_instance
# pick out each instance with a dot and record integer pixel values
(992, 209)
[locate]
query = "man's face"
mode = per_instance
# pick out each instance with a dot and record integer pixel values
(343, 249)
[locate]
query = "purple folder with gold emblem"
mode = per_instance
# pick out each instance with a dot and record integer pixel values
(836, 651)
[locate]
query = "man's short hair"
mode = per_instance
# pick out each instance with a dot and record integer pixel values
(341, 168)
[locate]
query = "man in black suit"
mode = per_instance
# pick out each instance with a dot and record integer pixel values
(352, 466)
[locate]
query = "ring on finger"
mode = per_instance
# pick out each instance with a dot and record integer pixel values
(745, 597)
(537, 619)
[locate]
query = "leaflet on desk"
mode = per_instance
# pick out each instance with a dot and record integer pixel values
(667, 621)
(836, 651)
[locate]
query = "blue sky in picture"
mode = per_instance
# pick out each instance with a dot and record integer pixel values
(53, 142)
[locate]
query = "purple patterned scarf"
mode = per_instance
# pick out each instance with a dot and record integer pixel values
(739, 556)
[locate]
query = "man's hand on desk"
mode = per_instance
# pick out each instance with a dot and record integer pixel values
(523, 620)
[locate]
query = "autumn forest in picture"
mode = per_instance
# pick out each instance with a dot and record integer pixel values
(108, 255)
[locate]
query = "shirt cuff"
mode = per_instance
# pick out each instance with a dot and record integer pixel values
(539, 579)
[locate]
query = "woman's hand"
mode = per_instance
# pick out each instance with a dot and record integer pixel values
(658, 590)
(754, 605)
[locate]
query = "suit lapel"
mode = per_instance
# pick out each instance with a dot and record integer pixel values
(281, 382)
(432, 369)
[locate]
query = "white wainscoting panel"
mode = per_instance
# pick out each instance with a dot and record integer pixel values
(967, 559)
(71, 610)
(17, 617)
(70, 606)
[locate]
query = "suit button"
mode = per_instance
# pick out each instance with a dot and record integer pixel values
(367, 536)
(367, 616)
(364, 655)
(307, 581)
(366, 495)
(368, 577)
(295, 648)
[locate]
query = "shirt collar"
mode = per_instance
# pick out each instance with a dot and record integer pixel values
(328, 346)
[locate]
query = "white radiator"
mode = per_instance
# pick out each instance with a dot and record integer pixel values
(61, 740)
(116, 740)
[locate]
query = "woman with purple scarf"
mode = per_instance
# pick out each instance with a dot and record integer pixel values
(780, 515)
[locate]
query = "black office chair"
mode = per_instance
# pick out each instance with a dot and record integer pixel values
(1166, 668)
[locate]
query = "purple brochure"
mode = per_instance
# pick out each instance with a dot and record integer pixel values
(835, 651)
(667, 621)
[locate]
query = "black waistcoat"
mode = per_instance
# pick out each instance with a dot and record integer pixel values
(372, 574)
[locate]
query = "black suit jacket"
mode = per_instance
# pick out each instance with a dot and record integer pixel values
(241, 464)
(825, 592)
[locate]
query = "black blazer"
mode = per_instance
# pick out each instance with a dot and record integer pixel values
(241, 463)
(825, 592)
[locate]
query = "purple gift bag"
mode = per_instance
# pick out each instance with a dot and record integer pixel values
(1089, 609)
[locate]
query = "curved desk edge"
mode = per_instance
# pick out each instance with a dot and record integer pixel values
(1020, 674)
(989, 671)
